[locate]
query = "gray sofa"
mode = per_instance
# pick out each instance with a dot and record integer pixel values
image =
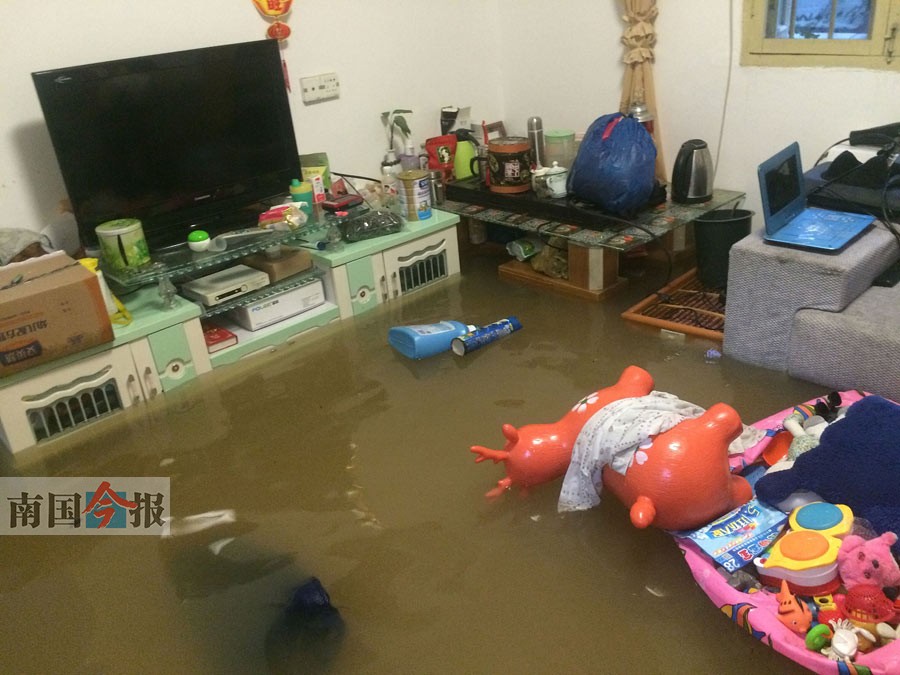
(817, 316)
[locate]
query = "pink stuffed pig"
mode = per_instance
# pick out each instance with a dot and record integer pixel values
(868, 561)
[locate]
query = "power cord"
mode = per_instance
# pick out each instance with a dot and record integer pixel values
(885, 217)
(886, 209)
(829, 149)
(653, 237)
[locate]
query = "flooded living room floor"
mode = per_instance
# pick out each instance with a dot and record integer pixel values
(344, 461)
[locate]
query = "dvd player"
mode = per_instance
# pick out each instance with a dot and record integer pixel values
(226, 284)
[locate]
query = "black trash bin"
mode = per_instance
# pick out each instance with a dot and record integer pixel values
(714, 234)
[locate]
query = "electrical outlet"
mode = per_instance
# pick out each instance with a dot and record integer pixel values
(319, 87)
(330, 86)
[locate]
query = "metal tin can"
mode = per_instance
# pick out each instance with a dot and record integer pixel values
(479, 337)
(509, 162)
(414, 194)
(437, 186)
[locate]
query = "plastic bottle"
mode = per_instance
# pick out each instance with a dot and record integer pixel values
(302, 195)
(409, 160)
(391, 163)
(424, 340)
(390, 191)
(335, 237)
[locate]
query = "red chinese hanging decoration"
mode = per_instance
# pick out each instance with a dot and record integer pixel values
(274, 11)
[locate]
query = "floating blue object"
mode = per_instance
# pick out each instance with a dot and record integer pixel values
(308, 636)
(309, 599)
(486, 334)
(713, 355)
(424, 340)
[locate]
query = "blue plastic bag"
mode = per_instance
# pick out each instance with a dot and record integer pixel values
(616, 165)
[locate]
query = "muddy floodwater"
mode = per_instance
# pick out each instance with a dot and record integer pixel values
(341, 460)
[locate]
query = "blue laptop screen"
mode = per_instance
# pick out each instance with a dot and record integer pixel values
(781, 185)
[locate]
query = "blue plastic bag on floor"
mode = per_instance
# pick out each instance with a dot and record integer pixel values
(615, 166)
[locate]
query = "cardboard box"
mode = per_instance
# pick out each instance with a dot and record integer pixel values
(50, 307)
(291, 261)
(316, 164)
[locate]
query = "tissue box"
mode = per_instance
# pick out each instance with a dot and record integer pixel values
(50, 307)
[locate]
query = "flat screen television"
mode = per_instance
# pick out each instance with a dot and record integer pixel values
(196, 139)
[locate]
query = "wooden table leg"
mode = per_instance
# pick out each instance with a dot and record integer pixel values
(596, 269)
(593, 273)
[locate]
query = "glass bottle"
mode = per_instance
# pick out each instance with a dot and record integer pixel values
(334, 238)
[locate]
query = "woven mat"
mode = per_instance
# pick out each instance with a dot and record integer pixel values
(683, 306)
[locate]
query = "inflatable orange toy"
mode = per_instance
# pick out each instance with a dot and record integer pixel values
(538, 453)
(683, 480)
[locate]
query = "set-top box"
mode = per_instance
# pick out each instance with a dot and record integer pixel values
(224, 285)
(268, 311)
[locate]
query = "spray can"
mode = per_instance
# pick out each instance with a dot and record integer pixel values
(486, 334)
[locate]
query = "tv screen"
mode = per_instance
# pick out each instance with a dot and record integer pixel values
(197, 139)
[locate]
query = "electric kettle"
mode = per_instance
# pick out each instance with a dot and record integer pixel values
(466, 153)
(693, 174)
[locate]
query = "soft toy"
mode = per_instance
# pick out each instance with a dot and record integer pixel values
(862, 561)
(538, 453)
(856, 463)
(806, 433)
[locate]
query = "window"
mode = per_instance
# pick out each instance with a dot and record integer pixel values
(850, 33)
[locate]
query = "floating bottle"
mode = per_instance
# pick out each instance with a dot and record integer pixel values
(424, 340)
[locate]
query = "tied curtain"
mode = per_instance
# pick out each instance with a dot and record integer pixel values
(639, 39)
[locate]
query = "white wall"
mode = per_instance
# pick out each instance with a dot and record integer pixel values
(419, 55)
(764, 109)
(508, 59)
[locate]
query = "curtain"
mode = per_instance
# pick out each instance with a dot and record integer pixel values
(639, 39)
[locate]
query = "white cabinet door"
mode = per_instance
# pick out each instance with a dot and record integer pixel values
(65, 398)
(145, 368)
(418, 263)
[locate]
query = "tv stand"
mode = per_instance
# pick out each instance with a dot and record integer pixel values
(174, 264)
(163, 348)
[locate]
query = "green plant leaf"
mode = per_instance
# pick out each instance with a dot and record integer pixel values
(401, 124)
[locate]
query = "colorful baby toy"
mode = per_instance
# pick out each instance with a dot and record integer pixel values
(855, 463)
(806, 556)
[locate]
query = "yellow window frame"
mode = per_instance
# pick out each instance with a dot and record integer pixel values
(881, 50)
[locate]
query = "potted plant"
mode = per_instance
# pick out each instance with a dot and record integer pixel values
(395, 121)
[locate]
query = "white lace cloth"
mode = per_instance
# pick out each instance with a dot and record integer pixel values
(613, 435)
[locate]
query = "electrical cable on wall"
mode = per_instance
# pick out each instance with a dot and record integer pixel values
(727, 84)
